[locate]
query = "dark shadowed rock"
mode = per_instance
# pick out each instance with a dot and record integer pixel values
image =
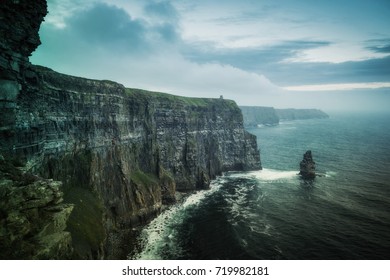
(33, 216)
(307, 166)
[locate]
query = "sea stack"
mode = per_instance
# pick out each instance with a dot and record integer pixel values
(307, 166)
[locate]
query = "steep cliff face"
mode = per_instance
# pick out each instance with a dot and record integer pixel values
(120, 154)
(19, 26)
(300, 114)
(199, 138)
(258, 115)
(33, 216)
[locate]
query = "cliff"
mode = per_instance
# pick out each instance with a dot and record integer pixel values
(33, 216)
(269, 116)
(300, 114)
(115, 154)
(257, 115)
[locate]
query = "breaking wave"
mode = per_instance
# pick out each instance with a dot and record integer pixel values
(161, 234)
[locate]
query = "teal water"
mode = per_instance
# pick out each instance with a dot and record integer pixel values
(273, 214)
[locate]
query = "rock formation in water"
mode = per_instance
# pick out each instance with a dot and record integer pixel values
(115, 155)
(307, 166)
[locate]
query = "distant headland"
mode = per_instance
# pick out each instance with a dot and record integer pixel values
(258, 115)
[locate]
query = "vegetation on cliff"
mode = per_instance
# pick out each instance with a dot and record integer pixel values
(33, 215)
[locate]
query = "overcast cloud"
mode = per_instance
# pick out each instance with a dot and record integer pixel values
(267, 53)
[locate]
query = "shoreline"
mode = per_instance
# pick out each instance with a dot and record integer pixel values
(134, 244)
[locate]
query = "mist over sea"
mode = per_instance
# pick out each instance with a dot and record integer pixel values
(273, 214)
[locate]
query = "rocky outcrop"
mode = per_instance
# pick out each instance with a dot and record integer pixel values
(300, 114)
(258, 115)
(119, 153)
(19, 25)
(32, 216)
(307, 166)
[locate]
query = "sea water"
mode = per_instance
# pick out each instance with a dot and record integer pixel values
(274, 214)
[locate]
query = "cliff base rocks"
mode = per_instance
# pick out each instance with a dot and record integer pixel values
(33, 216)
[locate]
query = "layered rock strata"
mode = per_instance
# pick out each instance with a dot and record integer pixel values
(119, 153)
(257, 115)
(33, 216)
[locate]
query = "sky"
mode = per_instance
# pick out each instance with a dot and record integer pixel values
(332, 55)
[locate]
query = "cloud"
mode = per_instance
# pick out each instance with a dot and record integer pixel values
(61, 10)
(336, 100)
(105, 42)
(110, 27)
(250, 58)
(177, 75)
(162, 10)
(276, 63)
(381, 46)
(165, 19)
(382, 49)
(243, 51)
(331, 87)
(366, 71)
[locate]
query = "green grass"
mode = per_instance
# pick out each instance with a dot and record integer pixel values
(142, 179)
(144, 94)
(85, 221)
(177, 100)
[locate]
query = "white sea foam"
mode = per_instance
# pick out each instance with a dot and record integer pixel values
(161, 234)
(330, 174)
(274, 175)
(161, 231)
(267, 175)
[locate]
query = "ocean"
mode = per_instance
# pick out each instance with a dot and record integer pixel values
(274, 214)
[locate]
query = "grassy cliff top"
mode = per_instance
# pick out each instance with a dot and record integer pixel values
(80, 84)
(179, 100)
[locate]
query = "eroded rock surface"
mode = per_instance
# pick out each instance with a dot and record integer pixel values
(307, 166)
(33, 216)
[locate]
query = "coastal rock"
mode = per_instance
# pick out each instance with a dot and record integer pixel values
(307, 166)
(115, 154)
(32, 216)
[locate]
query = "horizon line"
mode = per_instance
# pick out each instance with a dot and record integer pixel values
(342, 86)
